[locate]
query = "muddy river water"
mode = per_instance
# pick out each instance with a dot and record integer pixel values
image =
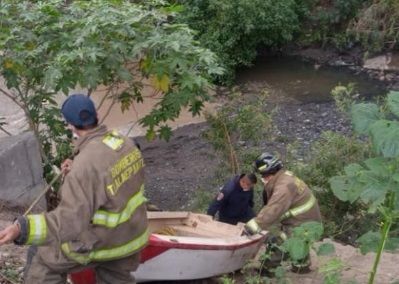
(305, 81)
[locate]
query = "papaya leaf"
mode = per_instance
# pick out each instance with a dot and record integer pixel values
(393, 102)
(363, 115)
(385, 137)
(161, 83)
(150, 135)
(165, 132)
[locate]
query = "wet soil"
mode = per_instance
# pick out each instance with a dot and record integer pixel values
(175, 170)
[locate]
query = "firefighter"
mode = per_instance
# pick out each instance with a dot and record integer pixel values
(235, 201)
(101, 219)
(288, 201)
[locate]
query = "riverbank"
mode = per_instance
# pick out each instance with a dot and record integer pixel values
(383, 67)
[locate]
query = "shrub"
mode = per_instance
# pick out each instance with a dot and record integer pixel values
(377, 26)
(327, 158)
(234, 29)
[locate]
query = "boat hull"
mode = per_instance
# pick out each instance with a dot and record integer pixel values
(187, 246)
(195, 258)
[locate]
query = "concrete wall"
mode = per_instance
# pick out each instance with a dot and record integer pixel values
(21, 173)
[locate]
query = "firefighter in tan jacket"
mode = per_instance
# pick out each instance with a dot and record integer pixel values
(101, 220)
(288, 201)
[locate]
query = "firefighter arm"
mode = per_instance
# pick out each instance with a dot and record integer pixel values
(280, 201)
(68, 220)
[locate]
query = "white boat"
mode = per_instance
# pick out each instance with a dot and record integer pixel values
(187, 246)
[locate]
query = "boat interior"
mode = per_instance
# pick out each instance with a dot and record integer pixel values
(187, 224)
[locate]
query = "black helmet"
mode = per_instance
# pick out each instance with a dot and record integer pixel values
(267, 164)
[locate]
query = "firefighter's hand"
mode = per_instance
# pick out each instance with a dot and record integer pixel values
(9, 234)
(252, 228)
(66, 166)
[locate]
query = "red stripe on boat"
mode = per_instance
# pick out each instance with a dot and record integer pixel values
(154, 241)
(87, 276)
(152, 250)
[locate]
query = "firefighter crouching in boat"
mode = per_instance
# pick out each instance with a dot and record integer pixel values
(101, 219)
(288, 203)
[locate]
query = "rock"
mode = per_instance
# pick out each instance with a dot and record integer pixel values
(21, 172)
(387, 62)
(340, 63)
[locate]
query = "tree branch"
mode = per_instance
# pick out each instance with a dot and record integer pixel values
(5, 131)
(11, 97)
(105, 96)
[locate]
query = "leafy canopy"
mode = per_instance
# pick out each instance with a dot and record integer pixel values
(50, 47)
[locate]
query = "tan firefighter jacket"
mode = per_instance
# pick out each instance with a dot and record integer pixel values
(289, 202)
(102, 213)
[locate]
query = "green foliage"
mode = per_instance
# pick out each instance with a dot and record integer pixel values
(325, 249)
(235, 132)
(375, 181)
(344, 96)
(331, 271)
(327, 158)
(235, 29)
(303, 237)
(227, 280)
(241, 121)
(202, 200)
(49, 47)
(376, 27)
(328, 20)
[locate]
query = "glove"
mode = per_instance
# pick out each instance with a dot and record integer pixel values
(252, 228)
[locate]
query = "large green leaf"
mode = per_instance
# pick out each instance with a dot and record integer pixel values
(379, 166)
(346, 188)
(326, 249)
(363, 115)
(393, 102)
(369, 242)
(297, 248)
(353, 169)
(309, 231)
(385, 137)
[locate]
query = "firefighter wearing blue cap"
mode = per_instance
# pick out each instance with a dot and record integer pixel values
(101, 219)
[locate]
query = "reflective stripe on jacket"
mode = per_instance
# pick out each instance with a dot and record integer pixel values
(289, 202)
(102, 212)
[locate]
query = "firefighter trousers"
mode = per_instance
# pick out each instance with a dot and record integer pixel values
(48, 265)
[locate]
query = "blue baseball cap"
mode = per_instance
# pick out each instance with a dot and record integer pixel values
(79, 110)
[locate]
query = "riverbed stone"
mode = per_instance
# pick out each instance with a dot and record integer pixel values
(21, 172)
(385, 62)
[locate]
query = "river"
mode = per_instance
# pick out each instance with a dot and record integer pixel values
(305, 81)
